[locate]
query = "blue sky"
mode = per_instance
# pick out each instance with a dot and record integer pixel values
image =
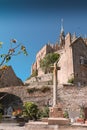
(35, 22)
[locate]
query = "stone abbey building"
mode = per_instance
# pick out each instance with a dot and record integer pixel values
(73, 66)
(73, 58)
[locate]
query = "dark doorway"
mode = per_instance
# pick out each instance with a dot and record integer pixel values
(7, 99)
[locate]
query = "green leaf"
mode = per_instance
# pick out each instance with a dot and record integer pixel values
(48, 60)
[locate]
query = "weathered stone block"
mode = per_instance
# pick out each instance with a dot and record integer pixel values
(58, 121)
(56, 112)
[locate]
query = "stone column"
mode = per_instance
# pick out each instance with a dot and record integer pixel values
(56, 109)
(55, 85)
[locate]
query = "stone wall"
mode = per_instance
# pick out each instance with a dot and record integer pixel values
(71, 97)
(44, 79)
(66, 62)
(20, 91)
(80, 71)
(48, 48)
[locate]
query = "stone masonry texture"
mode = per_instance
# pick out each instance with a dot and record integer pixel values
(71, 97)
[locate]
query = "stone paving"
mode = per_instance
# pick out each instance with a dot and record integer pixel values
(11, 126)
(44, 126)
(40, 126)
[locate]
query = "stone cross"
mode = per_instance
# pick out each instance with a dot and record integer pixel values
(55, 78)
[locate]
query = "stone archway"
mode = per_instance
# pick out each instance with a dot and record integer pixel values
(7, 100)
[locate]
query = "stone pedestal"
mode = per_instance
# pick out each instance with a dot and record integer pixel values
(56, 111)
(56, 116)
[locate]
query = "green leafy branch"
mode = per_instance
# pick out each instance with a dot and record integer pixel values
(13, 51)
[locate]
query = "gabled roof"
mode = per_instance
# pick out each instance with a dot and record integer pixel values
(77, 39)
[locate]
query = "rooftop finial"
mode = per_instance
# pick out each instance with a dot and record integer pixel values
(62, 35)
(62, 28)
(48, 42)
